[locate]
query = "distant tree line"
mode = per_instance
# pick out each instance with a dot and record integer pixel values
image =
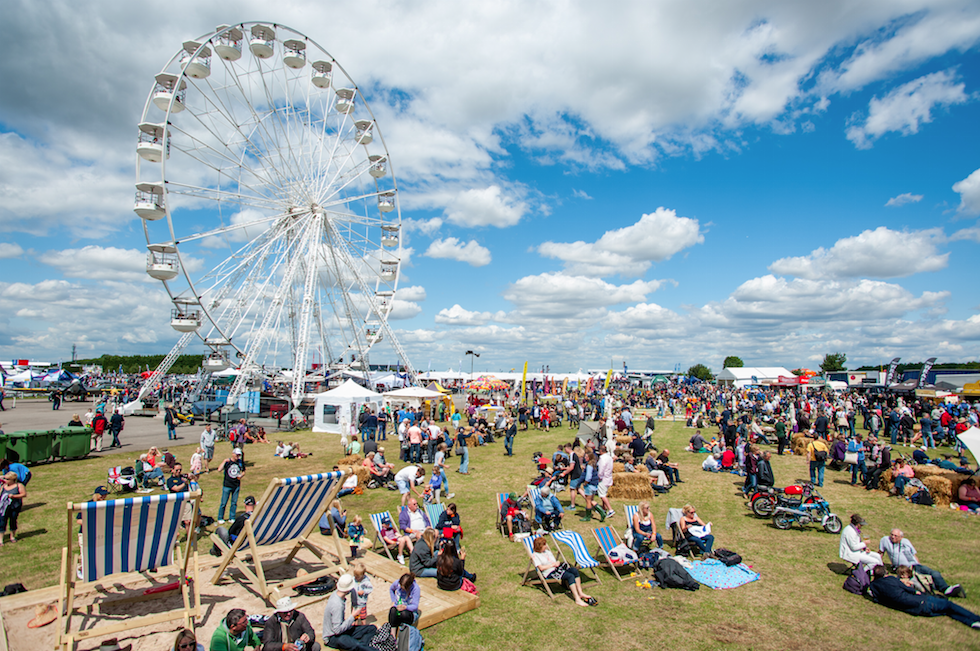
(136, 363)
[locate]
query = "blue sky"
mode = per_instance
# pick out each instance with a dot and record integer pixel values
(665, 184)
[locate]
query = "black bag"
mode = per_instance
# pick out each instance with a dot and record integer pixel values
(13, 588)
(671, 574)
(922, 497)
(321, 586)
(727, 556)
(820, 455)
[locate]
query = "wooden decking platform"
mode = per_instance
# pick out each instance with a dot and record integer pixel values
(16, 610)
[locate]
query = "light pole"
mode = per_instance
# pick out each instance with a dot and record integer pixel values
(472, 355)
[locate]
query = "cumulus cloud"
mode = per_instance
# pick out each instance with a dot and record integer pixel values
(485, 207)
(903, 199)
(459, 316)
(906, 107)
(969, 191)
(562, 295)
(881, 253)
(451, 248)
(628, 251)
(10, 250)
(106, 263)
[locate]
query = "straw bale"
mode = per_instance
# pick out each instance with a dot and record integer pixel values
(363, 474)
(940, 489)
(926, 470)
(955, 479)
(799, 444)
(352, 460)
(630, 486)
(623, 440)
(619, 467)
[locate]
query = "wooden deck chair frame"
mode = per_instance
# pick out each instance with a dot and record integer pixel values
(501, 523)
(682, 546)
(148, 527)
(289, 510)
(534, 494)
(575, 542)
(542, 580)
(608, 538)
(376, 519)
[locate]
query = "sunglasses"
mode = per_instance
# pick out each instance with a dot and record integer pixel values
(187, 645)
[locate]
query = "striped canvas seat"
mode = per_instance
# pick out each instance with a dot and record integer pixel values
(581, 553)
(608, 538)
(289, 510)
(542, 580)
(631, 510)
(377, 520)
(434, 511)
(127, 536)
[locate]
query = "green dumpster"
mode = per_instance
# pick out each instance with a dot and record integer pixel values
(29, 446)
(3, 446)
(71, 442)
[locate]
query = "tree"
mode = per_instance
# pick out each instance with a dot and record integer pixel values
(732, 362)
(701, 372)
(833, 362)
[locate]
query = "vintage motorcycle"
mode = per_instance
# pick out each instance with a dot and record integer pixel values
(813, 508)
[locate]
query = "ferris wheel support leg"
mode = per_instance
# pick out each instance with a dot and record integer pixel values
(303, 340)
(165, 365)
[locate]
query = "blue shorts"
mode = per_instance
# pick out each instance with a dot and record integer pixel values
(575, 483)
(591, 490)
(403, 486)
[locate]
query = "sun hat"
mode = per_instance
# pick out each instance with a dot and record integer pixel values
(345, 584)
(237, 451)
(285, 605)
(44, 614)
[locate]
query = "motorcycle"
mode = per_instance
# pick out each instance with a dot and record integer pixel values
(815, 510)
(765, 499)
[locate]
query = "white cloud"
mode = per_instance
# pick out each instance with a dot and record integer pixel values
(485, 207)
(906, 107)
(881, 253)
(458, 316)
(10, 250)
(969, 191)
(413, 293)
(559, 295)
(451, 248)
(106, 263)
(903, 199)
(424, 226)
(581, 194)
(628, 251)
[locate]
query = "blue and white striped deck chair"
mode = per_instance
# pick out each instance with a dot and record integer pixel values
(534, 494)
(376, 521)
(582, 556)
(434, 511)
(630, 510)
(127, 536)
(542, 580)
(288, 511)
(608, 538)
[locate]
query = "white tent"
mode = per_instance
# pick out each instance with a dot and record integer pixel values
(409, 393)
(338, 408)
(747, 376)
(971, 439)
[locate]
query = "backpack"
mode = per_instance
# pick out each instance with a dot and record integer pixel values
(819, 455)
(727, 556)
(409, 639)
(670, 574)
(858, 582)
(922, 497)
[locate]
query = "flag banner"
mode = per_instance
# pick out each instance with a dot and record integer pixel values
(925, 372)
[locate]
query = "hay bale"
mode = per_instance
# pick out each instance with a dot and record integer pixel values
(631, 486)
(363, 474)
(940, 489)
(886, 483)
(619, 467)
(352, 460)
(954, 478)
(623, 440)
(799, 444)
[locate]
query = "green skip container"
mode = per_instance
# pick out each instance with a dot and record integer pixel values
(71, 442)
(29, 446)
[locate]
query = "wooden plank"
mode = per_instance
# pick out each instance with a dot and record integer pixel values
(3, 634)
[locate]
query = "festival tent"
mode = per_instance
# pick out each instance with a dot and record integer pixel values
(336, 409)
(751, 375)
(24, 377)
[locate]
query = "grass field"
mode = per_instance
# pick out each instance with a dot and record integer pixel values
(798, 604)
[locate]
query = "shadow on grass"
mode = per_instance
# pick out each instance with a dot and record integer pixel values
(31, 534)
(844, 569)
(36, 505)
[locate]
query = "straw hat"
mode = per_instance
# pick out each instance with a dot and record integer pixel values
(285, 605)
(44, 614)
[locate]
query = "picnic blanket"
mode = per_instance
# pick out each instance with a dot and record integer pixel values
(716, 575)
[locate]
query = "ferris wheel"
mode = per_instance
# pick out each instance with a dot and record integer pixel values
(269, 206)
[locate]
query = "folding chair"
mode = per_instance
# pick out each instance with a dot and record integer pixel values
(541, 579)
(289, 510)
(376, 521)
(121, 538)
(534, 494)
(121, 480)
(583, 558)
(434, 511)
(501, 524)
(682, 546)
(630, 510)
(608, 538)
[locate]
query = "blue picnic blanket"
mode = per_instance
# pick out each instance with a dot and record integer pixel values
(716, 575)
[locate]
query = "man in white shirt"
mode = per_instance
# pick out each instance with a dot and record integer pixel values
(901, 552)
(605, 469)
(408, 477)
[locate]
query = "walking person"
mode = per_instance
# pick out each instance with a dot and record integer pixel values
(116, 425)
(509, 436)
(12, 496)
(233, 468)
(208, 438)
(168, 419)
(463, 450)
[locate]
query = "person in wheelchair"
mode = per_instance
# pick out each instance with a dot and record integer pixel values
(548, 512)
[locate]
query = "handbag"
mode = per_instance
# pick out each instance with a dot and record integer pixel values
(558, 571)
(850, 457)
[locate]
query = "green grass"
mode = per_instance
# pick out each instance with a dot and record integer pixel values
(798, 604)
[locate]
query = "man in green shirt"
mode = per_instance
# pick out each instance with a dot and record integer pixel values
(780, 435)
(234, 633)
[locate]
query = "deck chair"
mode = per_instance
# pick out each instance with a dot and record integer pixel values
(608, 538)
(122, 538)
(501, 525)
(434, 511)
(289, 511)
(121, 480)
(376, 520)
(538, 576)
(534, 494)
(682, 546)
(583, 558)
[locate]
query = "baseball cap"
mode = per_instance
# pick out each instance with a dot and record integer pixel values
(101, 491)
(237, 451)
(249, 500)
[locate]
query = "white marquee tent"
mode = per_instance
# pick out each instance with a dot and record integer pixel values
(338, 408)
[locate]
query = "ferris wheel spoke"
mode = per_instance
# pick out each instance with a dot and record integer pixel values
(227, 229)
